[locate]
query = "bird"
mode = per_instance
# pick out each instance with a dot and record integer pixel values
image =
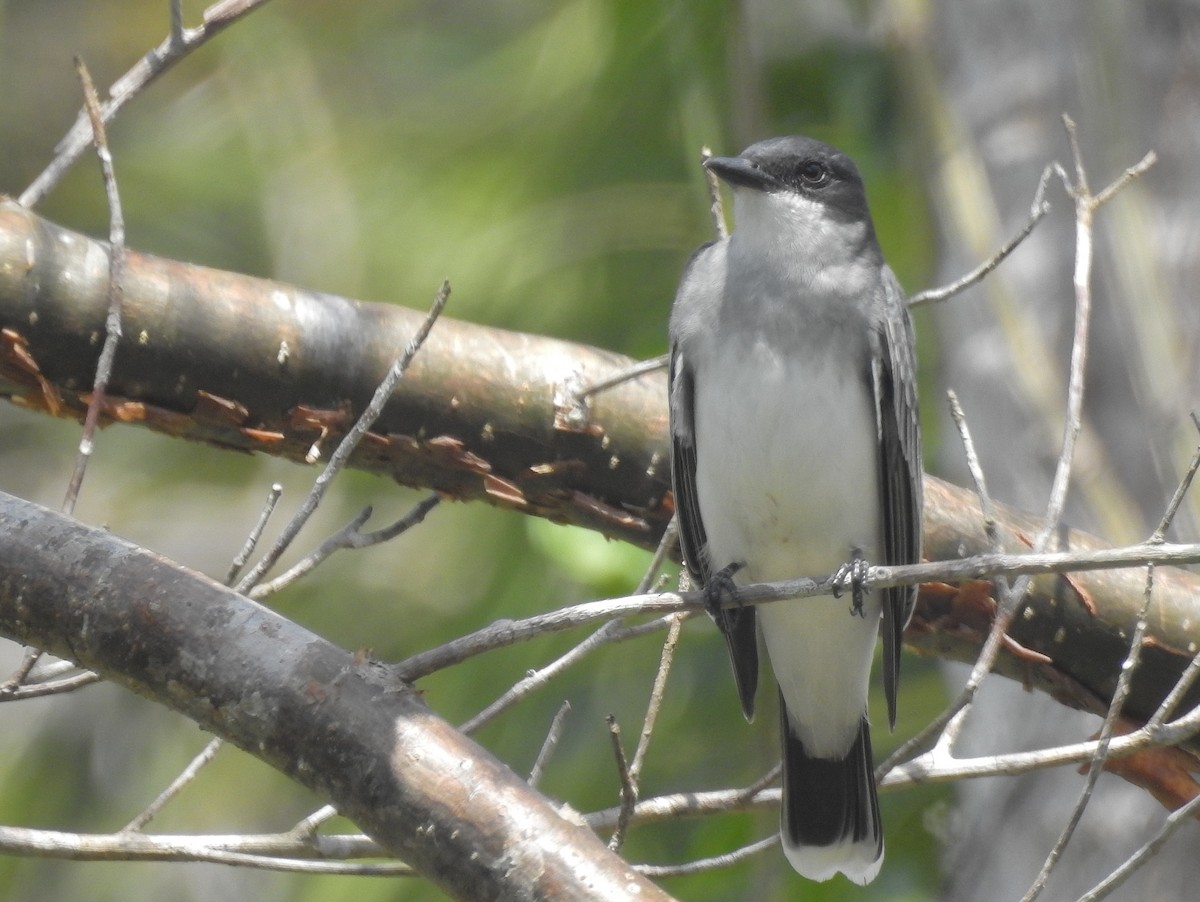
(796, 451)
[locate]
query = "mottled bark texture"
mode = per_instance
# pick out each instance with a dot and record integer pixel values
(336, 722)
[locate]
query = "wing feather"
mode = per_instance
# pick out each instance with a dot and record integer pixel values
(899, 428)
(736, 624)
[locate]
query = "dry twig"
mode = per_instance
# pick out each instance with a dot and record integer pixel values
(340, 457)
(178, 44)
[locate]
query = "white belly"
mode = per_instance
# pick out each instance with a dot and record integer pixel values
(787, 483)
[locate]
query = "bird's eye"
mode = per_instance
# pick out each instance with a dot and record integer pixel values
(814, 174)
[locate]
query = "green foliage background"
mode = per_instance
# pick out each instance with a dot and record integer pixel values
(543, 156)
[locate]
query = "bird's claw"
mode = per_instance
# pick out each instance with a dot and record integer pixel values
(856, 571)
(719, 587)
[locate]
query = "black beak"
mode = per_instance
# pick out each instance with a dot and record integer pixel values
(740, 172)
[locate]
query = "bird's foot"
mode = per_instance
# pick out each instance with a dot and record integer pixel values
(719, 587)
(855, 571)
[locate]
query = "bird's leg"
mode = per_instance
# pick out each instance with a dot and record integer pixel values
(719, 587)
(857, 570)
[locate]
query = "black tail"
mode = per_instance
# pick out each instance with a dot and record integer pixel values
(830, 816)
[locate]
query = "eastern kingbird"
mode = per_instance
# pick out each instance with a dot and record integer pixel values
(797, 452)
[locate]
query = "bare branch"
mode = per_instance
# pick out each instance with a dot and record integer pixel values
(177, 44)
(275, 852)
(1137, 170)
(630, 776)
(1102, 745)
(653, 365)
(348, 444)
(716, 207)
(1173, 822)
(308, 827)
(489, 415)
(976, 471)
(1036, 214)
(690, 804)
(656, 696)
(551, 743)
(1181, 490)
(348, 537)
(116, 270)
(176, 37)
(346, 728)
(12, 686)
(16, 689)
(1013, 598)
(701, 865)
(629, 791)
(176, 786)
(613, 631)
(255, 535)
(508, 632)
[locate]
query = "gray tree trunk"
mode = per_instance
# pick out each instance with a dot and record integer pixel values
(1127, 73)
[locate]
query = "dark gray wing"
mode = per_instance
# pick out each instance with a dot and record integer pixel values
(736, 624)
(894, 375)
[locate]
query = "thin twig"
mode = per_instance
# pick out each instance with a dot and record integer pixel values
(944, 730)
(255, 534)
(302, 843)
(1185, 682)
(112, 328)
(770, 778)
(687, 804)
(976, 470)
(653, 365)
(1084, 214)
(510, 632)
(209, 753)
(933, 295)
(954, 728)
(940, 764)
(307, 827)
(701, 865)
(1135, 171)
(176, 786)
(51, 671)
(921, 772)
(14, 690)
(1173, 822)
(631, 776)
(628, 788)
(274, 852)
(345, 539)
(1124, 681)
(666, 545)
(116, 271)
(656, 697)
(10, 687)
(348, 537)
(941, 768)
(613, 631)
(550, 744)
(339, 457)
(1160, 533)
(716, 206)
(176, 34)
(151, 65)
(1011, 601)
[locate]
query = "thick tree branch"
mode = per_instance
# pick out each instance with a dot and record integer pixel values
(246, 363)
(491, 415)
(344, 726)
(1074, 634)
